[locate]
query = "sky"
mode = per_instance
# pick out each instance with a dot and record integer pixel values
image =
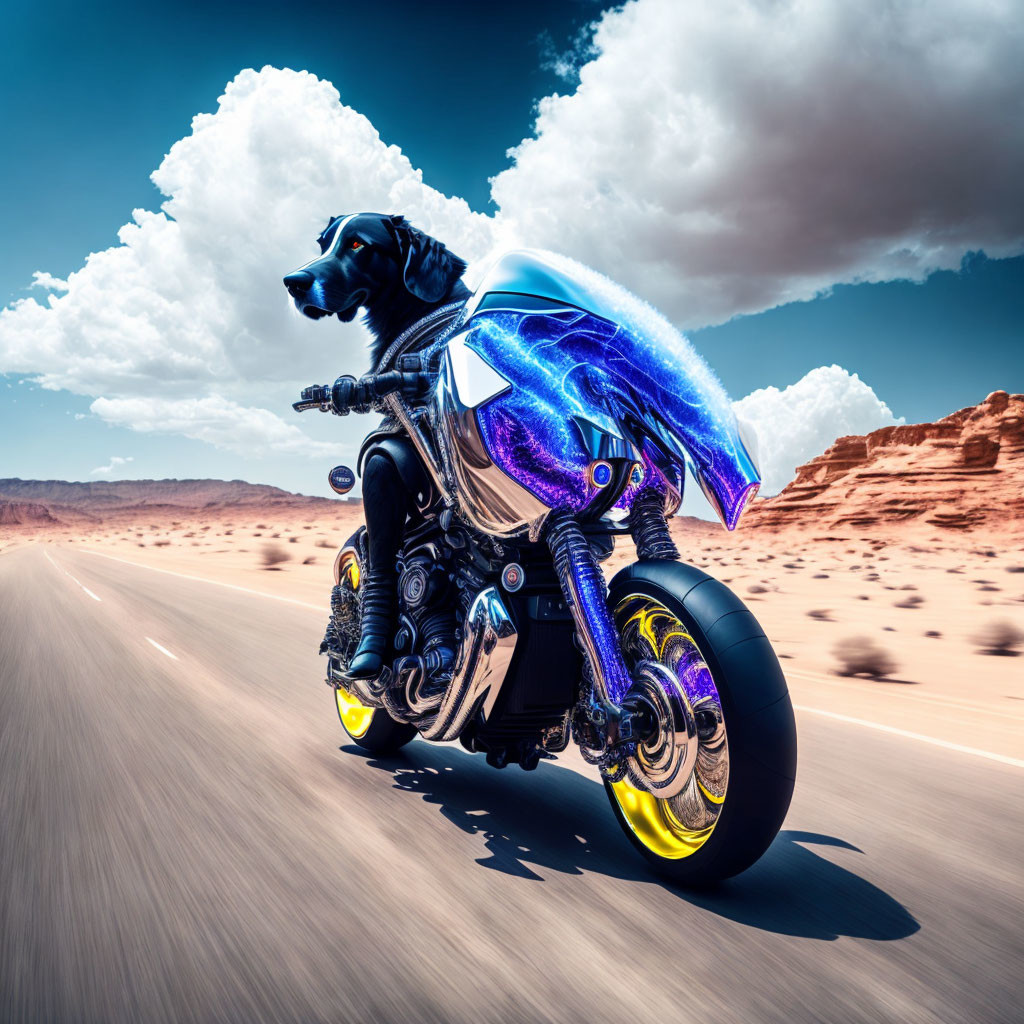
(826, 200)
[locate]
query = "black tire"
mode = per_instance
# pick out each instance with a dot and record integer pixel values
(382, 736)
(756, 709)
(372, 729)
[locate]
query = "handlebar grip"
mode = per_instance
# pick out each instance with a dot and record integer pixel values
(314, 397)
(395, 380)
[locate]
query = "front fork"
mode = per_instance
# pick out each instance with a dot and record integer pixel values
(609, 720)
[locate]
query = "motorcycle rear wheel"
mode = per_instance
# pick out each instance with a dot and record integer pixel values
(373, 729)
(737, 797)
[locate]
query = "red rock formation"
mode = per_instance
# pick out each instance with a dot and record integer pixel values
(964, 472)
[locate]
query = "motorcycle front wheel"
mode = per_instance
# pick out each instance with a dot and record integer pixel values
(737, 795)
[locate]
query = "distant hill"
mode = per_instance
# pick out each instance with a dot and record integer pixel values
(42, 502)
(963, 472)
(25, 513)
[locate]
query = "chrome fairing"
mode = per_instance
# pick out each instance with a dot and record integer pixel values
(491, 500)
(555, 364)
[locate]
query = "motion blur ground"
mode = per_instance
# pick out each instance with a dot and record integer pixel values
(184, 840)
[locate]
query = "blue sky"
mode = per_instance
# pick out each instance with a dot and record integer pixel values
(96, 96)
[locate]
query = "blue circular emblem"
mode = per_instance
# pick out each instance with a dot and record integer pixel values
(601, 474)
(341, 479)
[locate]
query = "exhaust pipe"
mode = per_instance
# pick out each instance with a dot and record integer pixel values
(488, 642)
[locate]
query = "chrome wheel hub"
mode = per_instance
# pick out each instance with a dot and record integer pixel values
(665, 760)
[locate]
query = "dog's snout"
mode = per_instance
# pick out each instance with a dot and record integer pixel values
(298, 283)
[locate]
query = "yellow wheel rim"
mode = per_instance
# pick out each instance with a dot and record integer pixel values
(678, 827)
(356, 717)
(651, 820)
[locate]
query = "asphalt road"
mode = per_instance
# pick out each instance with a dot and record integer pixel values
(181, 838)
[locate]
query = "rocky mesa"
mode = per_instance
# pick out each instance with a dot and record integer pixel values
(963, 473)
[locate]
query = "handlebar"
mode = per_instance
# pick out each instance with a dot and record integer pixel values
(348, 393)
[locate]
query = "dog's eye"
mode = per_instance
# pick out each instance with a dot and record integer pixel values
(355, 245)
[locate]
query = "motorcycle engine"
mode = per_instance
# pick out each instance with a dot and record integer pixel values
(422, 582)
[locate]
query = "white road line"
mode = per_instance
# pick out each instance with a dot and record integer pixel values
(851, 686)
(66, 573)
(945, 744)
(162, 649)
(321, 609)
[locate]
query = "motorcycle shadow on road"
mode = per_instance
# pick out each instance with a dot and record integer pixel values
(554, 819)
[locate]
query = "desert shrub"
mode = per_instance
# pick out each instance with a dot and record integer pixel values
(309, 560)
(862, 656)
(910, 601)
(756, 588)
(1000, 637)
(821, 614)
(293, 540)
(273, 555)
(323, 544)
(161, 543)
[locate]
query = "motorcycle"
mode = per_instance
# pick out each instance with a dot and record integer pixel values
(564, 412)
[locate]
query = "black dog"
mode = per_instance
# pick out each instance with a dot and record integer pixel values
(383, 264)
(410, 286)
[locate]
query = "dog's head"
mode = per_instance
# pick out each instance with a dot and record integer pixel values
(367, 257)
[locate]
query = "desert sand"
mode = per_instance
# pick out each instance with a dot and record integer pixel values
(889, 575)
(938, 608)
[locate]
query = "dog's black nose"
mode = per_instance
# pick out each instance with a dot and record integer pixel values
(298, 283)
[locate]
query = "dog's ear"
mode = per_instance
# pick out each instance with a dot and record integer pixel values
(428, 269)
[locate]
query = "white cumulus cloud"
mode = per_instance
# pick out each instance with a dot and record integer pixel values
(185, 326)
(41, 279)
(723, 158)
(801, 421)
(215, 420)
(116, 461)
